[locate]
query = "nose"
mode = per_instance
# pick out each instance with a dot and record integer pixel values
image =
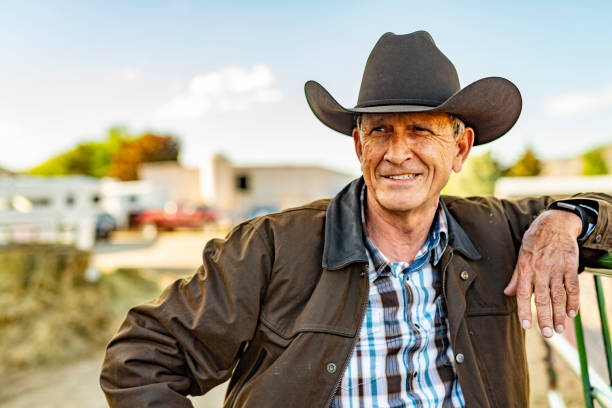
(399, 149)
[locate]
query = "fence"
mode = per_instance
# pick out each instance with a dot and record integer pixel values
(595, 388)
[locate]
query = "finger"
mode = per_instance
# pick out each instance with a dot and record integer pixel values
(558, 298)
(524, 289)
(572, 288)
(542, 302)
(510, 290)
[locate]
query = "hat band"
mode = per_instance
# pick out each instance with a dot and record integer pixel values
(385, 102)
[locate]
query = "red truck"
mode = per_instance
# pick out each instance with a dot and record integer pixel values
(173, 216)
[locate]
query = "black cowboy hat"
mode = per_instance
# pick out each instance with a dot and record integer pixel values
(408, 73)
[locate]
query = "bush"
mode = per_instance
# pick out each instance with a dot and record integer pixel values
(49, 312)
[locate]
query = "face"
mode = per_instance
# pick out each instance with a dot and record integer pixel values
(407, 158)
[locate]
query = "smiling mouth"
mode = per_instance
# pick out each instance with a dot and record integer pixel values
(407, 176)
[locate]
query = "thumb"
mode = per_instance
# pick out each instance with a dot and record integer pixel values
(510, 290)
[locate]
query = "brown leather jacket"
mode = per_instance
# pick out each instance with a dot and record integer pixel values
(277, 307)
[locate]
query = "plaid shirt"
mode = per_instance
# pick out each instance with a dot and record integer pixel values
(403, 357)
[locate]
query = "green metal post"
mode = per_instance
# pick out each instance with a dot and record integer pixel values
(605, 261)
(584, 366)
(605, 330)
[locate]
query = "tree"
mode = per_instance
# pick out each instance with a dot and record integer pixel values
(527, 166)
(87, 158)
(594, 163)
(75, 161)
(147, 148)
(477, 177)
(104, 152)
(118, 155)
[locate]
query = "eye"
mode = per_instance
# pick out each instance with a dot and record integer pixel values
(422, 130)
(379, 129)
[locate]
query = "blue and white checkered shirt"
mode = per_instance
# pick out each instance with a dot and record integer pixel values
(403, 357)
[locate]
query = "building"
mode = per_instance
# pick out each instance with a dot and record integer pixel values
(180, 184)
(244, 191)
(534, 186)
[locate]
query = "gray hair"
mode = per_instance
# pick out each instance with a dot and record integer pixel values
(457, 124)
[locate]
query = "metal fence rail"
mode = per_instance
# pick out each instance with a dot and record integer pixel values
(594, 387)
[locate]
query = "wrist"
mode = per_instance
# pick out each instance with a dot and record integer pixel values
(569, 220)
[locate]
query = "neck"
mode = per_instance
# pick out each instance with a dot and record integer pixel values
(399, 235)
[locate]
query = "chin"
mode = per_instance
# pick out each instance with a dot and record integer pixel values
(398, 205)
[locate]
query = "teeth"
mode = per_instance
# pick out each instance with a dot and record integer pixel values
(404, 177)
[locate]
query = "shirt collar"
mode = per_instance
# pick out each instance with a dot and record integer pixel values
(435, 244)
(343, 242)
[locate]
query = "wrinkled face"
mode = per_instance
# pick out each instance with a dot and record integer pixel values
(407, 158)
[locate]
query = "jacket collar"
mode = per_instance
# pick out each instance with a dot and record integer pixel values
(344, 233)
(457, 238)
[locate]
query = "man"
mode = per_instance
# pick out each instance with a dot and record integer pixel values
(387, 295)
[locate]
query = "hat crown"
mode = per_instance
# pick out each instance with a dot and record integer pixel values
(407, 69)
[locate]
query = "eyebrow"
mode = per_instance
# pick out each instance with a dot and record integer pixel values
(416, 123)
(376, 122)
(422, 124)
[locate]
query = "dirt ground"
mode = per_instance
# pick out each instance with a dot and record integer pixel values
(71, 385)
(173, 255)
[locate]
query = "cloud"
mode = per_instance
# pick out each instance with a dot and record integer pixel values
(129, 73)
(226, 89)
(577, 103)
(10, 130)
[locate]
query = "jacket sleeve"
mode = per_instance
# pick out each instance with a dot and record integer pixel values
(189, 339)
(520, 214)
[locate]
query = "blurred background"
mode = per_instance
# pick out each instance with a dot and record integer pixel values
(133, 132)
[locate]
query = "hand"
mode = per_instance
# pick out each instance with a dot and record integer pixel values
(548, 262)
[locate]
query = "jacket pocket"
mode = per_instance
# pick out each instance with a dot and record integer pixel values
(252, 372)
(486, 297)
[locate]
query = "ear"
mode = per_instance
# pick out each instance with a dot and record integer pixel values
(464, 144)
(357, 141)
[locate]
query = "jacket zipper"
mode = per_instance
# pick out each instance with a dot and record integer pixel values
(364, 305)
(256, 366)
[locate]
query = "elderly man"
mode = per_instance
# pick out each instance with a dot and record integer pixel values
(386, 295)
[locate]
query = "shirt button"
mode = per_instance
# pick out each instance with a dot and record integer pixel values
(598, 238)
(331, 368)
(459, 358)
(414, 374)
(464, 275)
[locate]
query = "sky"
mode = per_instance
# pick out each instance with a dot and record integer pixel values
(228, 76)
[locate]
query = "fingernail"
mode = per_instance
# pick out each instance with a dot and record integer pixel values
(560, 328)
(526, 324)
(572, 313)
(547, 332)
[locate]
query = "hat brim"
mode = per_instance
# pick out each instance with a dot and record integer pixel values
(491, 106)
